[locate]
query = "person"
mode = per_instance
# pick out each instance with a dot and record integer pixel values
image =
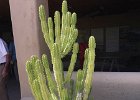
(12, 52)
(83, 45)
(4, 69)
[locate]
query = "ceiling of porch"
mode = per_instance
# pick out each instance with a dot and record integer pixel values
(83, 8)
(96, 7)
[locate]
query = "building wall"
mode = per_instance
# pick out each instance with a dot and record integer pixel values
(126, 19)
(99, 26)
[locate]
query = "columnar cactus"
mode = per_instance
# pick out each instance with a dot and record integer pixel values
(60, 37)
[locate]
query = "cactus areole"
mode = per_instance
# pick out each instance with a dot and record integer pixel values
(60, 36)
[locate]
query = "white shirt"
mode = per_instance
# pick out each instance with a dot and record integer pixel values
(3, 51)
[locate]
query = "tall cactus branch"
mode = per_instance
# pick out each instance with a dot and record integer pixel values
(51, 83)
(57, 68)
(72, 62)
(90, 69)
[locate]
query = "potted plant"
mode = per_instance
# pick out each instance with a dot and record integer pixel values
(60, 37)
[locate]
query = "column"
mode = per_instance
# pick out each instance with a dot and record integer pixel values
(27, 36)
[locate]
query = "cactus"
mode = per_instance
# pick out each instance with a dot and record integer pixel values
(60, 37)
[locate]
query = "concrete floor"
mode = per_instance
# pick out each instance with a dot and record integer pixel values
(13, 88)
(106, 86)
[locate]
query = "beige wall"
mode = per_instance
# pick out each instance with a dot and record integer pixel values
(27, 35)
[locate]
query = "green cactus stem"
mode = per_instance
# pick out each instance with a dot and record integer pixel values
(51, 32)
(72, 62)
(44, 25)
(37, 89)
(57, 28)
(51, 83)
(64, 95)
(30, 68)
(57, 68)
(85, 64)
(65, 33)
(90, 70)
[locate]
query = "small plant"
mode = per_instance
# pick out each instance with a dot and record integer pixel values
(60, 37)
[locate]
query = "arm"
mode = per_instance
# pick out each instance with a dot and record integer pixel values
(6, 66)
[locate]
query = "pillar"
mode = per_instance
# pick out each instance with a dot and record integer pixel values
(28, 37)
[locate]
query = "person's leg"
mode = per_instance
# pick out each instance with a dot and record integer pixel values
(3, 91)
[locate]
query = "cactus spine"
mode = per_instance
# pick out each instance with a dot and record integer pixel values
(60, 37)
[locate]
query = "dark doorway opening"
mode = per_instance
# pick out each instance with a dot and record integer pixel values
(13, 86)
